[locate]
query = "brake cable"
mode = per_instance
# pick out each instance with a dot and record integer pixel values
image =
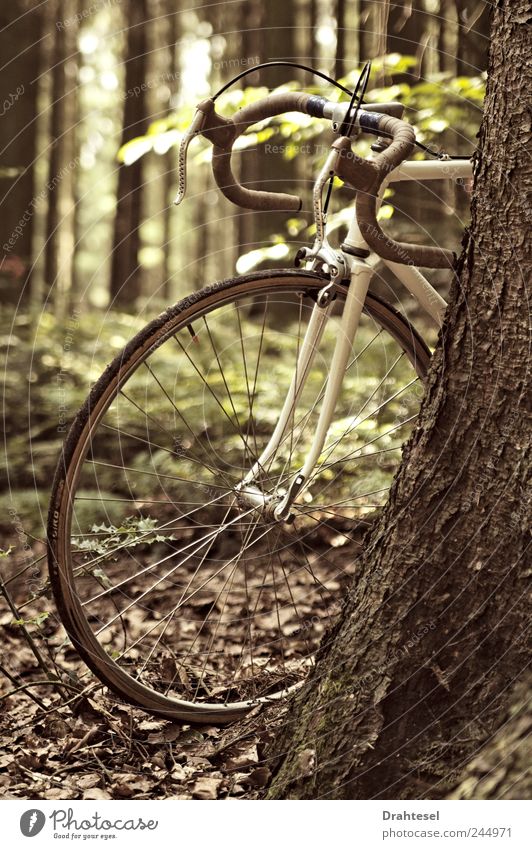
(281, 63)
(356, 100)
(362, 82)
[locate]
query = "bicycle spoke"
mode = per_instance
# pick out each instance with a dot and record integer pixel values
(203, 540)
(188, 583)
(170, 616)
(182, 417)
(143, 536)
(330, 448)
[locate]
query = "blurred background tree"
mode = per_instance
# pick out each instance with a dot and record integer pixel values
(94, 99)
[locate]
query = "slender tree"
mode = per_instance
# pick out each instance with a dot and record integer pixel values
(173, 35)
(21, 32)
(473, 35)
(446, 26)
(366, 35)
(341, 22)
(125, 270)
(407, 34)
(63, 160)
(417, 673)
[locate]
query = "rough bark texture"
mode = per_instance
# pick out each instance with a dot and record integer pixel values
(416, 676)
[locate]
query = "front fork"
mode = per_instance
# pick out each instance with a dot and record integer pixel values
(356, 295)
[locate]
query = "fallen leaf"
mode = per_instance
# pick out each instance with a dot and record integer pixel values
(58, 793)
(258, 778)
(206, 788)
(89, 780)
(178, 774)
(167, 735)
(97, 794)
(152, 725)
(247, 757)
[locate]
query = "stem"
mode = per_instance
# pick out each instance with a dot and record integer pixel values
(31, 642)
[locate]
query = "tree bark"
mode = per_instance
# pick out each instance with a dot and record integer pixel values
(416, 674)
(125, 270)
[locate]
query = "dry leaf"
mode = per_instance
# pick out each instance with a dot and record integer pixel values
(57, 793)
(97, 794)
(247, 757)
(152, 724)
(167, 735)
(90, 779)
(258, 778)
(206, 788)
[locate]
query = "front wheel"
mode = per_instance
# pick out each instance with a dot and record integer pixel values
(181, 595)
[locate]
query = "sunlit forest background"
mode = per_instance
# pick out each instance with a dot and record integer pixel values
(95, 98)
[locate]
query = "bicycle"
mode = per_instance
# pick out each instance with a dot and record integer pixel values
(215, 485)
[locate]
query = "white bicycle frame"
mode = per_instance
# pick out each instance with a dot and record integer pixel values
(360, 273)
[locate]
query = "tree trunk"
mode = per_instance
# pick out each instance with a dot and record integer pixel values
(63, 161)
(125, 270)
(366, 34)
(446, 29)
(250, 49)
(339, 66)
(416, 674)
(312, 26)
(18, 108)
(268, 35)
(473, 36)
(407, 33)
(174, 33)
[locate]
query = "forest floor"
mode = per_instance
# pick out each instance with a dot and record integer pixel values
(99, 749)
(84, 744)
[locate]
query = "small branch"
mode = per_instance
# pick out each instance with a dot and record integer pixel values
(21, 687)
(40, 683)
(31, 642)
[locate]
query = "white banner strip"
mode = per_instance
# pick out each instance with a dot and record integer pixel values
(312, 825)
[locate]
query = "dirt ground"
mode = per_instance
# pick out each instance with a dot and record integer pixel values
(74, 740)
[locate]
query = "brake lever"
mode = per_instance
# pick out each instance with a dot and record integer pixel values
(195, 127)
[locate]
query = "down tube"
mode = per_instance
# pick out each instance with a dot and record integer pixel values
(310, 344)
(361, 274)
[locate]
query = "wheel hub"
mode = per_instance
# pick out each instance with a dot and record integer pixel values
(251, 496)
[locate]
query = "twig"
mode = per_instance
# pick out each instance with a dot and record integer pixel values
(13, 680)
(24, 569)
(40, 683)
(31, 642)
(56, 708)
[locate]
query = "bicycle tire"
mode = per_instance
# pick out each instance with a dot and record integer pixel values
(77, 453)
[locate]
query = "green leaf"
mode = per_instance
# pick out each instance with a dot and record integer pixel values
(134, 149)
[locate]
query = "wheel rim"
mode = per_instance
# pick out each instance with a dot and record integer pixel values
(158, 618)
